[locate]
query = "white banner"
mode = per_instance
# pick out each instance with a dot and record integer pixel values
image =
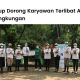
(61, 62)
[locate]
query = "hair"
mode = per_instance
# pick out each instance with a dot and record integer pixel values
(37, 44)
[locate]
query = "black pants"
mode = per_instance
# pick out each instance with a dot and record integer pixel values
(18, 63)
(47, 63)
(37, 60)
(75, 63)
(2, 63)
(56, 63)
(25, 61)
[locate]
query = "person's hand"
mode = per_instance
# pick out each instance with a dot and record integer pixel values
(57, 49)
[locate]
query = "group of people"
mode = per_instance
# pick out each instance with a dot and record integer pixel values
(47, 57)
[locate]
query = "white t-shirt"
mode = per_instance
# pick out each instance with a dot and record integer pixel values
(2, 54)
(8, 50)
(25, 51)
(18, 56)
(47, 54)
(75, 55)
(67, 53)
(56, 52)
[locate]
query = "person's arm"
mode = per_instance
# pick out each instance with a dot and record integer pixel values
(77, 51)
(72, 51)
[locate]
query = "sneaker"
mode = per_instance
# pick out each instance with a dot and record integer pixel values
(67, 71)
(75, 72)
(39, 69)
(36, 69)
(45, 70)
(64, 71)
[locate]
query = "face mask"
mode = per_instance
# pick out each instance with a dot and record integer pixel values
(25, 44)
(47, 47)
(56, 46)
(37, 46)
(75, 46)
(1, 46)
(66, 44)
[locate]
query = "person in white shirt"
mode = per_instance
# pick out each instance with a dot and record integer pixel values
(56, 52)
(2, 57)
(9, 53)
(25, 55)
(47, 56)
(75, 57)
(66, 51)
(18, 53)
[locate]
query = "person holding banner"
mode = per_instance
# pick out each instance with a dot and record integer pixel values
(25, 55)
(2, 57)
(18, 53)
(56, 52)
(37, 57)
(9, 53)
(66, 51)
(75, 57)
(47, 56)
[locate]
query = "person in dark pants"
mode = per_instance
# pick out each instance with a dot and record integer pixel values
(18, 53)
(75, 57)
(37, 57)
(2, 62)
(56, 52)
(25, 55)
(47, 56)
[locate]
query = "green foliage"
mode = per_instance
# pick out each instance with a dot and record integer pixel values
(39, 34)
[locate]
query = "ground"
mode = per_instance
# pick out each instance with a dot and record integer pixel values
(36, 75)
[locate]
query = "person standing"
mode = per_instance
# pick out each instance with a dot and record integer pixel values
(37, 57)
(66, 51)
(56, 52)
(2, 57)
(25, 55)
(75, 57)
(9, 52)
(47, 56)
(18, 53)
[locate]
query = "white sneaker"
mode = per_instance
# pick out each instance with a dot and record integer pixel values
(39, 69)
(75, 72)
(36, 69)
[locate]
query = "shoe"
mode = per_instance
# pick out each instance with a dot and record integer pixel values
(2, 72)
(48, 70)
(24, 70)
(45, 70)
(7, 70)
(67, 71)
(75, 72)
(18, 70)
(27, 70)
(36, 69)
(11, 71)
(39, 69)
(64, 71)
(55, 70)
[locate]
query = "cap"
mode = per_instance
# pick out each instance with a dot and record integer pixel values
(9, 44)
(56, 44)
(75, 44)
(1, 44)
(66, 42)
(47, 44)
(18, 45)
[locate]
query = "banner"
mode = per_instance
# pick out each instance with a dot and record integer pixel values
(61, 62)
